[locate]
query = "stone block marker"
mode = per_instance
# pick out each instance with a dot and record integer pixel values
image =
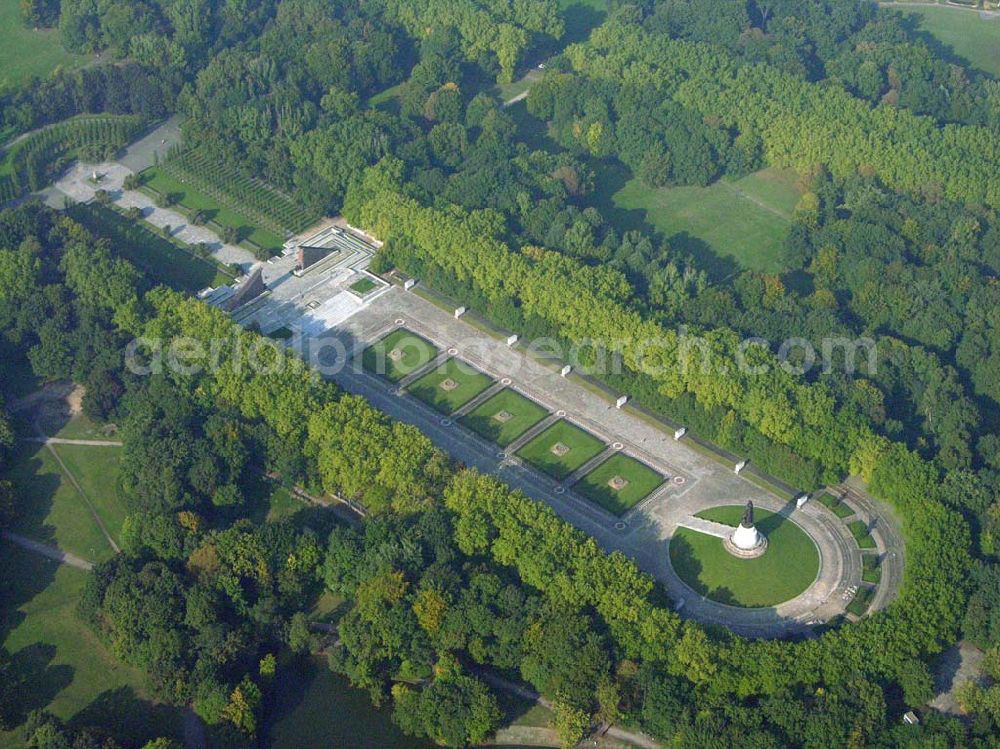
(680, 433)
(740, 466)
(566, 370)
(801, 500)
(511, 340)
(409, 283)
(459, 311)
(621, 401)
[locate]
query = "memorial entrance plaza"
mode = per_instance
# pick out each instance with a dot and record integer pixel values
(611, 471)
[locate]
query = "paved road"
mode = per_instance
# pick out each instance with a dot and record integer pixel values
(63, 557)
(154, 146)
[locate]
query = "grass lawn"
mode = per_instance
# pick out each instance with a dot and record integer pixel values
(523, 414)
(316, 707)
(160, 258)
(363, 286)
(450, 386)
(786, 569)
(281, 504)
(582, 447)
(194, 200)
(963, 32)
(385, 99)
(68, 670)
(642, 481)
(859, 529)
(25, 52)
(744, 221)
(96, 470)
(862, 600)
(835, 506)
(53, 512)
(80, 427)
(872, 571)
(413, 352)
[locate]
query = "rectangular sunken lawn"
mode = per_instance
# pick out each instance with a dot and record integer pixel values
(523, 414)
(582, 447)
(414, 353)
(832, 503)
(450, 386)
(872, 570)
(859, 529)
(597, 485)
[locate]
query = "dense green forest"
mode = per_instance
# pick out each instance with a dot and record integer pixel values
(896, 238)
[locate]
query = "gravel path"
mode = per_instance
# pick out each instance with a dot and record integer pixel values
(63, 557)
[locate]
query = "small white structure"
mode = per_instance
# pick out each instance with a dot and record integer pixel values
(910, 718)
(566, 370)
(746, 541)
(740, 466)
(459, 311)
(511, 340)
(746, 538)
(801, 500)
(409, 283)
(621, 401)
(680, 433)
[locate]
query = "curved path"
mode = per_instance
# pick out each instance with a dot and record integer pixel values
(840, 569)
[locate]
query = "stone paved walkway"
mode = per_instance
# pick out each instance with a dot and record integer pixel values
(708, 527)
(76, 184)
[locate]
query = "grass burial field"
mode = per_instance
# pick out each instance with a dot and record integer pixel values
(504, 417)
(619, 483)
(561, 449)
(745, 221)
(450, 386)
(786, 569)
(399, 354)
(963, 32)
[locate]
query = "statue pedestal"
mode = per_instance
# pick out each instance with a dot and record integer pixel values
(745, 542)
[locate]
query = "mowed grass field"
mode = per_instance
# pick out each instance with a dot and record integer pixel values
(582, 447)
(968, 36)
(194, 200)
(786, 569)
(642, 481)
(524, 414)
(414, 352)
(25, 53)
(450, 386)
(744, 221)
(316, 707)
(96, 470)
(67, 669)
(52, 511)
